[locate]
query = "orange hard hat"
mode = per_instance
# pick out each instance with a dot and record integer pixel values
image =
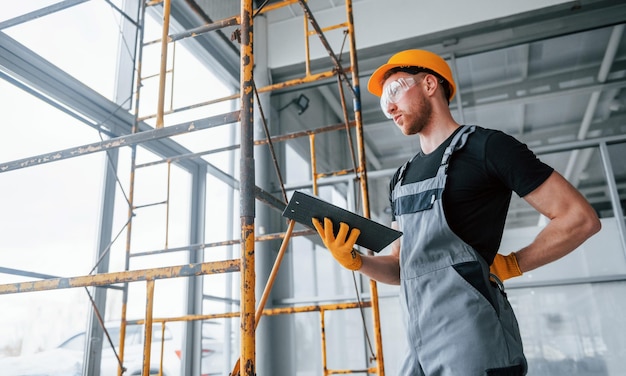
(412, 58)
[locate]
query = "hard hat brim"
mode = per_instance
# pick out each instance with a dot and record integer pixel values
(375, 84)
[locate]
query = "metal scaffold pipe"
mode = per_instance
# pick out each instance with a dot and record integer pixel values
(380, 364)
(247, 189)
(164, 42)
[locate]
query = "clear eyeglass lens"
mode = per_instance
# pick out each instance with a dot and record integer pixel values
(393, 91)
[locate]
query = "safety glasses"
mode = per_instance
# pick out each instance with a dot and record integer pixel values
(394, 91)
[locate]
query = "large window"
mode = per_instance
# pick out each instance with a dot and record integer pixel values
(56, 208)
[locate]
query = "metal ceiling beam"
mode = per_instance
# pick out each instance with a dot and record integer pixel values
(572, 172)
(543, 88)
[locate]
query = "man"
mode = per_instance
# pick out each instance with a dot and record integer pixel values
(450, 201)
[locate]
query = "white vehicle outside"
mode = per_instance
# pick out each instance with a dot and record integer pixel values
(67, 358)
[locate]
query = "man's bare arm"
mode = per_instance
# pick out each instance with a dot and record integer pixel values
(385, 268)
(572, 221)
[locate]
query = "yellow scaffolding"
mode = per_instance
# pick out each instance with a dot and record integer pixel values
(250, 313)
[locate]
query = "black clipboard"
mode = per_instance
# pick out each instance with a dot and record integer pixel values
(374, 236)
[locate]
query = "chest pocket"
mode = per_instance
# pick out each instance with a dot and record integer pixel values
(416, 202)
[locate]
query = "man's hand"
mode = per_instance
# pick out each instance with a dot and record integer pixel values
(340, 247)
(505, 267)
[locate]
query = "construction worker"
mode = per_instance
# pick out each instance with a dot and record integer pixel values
(450, 201)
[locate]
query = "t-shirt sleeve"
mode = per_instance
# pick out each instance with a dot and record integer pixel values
(516, 165)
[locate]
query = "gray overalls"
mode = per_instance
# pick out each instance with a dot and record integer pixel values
(458, 323)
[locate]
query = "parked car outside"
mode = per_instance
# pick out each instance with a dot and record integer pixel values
(212, 361)
(67, 358)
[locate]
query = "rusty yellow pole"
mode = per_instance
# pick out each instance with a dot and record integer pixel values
(247, 195)
(112, 278)
(164, 41)
(323, 342)
(274, 272)
(307, 57)
(147, 345)
(268, 286)
(380, 364)
(357, 112)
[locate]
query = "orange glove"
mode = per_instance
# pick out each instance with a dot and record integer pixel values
(340, 247)
(505, 267)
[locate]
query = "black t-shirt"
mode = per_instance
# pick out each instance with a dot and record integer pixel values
(481, 177)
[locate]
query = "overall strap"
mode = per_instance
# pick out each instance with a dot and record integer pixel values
(457, 143)
(403, 169)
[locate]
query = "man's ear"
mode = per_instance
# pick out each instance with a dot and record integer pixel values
(430, 84)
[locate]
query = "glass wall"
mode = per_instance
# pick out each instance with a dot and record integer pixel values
(81, 40)
(56, 208)
(51, 211)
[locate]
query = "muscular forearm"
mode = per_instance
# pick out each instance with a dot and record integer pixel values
(384, 269)
(572, 221)
(555, 241)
